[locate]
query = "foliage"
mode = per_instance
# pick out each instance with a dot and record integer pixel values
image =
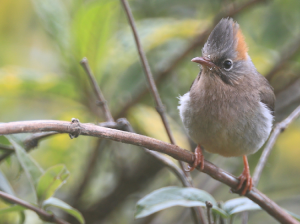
(43, 183)
(190, 197)
(41, 45)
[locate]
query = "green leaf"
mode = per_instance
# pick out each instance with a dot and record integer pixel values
(15, 208)
(174, 196)
(55, 18)
(55, 202)
(237, 205)
(22, 217)
(51, 180)
(92, 30)
(4, 185)
(31, 168)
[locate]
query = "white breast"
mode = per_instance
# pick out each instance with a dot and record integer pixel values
(245, 135)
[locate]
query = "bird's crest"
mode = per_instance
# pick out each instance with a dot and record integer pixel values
(226, 37)
(241, 46)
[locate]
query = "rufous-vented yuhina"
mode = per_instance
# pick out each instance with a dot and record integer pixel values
(229, 108)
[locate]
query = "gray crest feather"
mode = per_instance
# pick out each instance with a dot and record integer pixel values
(222, 38)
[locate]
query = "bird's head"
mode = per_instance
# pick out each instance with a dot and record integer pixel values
(225, 53)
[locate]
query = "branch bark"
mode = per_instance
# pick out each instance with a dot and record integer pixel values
(279, 128)
(154, 92)
(98, 93)
(123, 124)
(7, 148)
(153, 89)
(42, 213)
(130, 138)
(30, 143)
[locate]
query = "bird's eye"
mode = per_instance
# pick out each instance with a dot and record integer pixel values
(227, 64)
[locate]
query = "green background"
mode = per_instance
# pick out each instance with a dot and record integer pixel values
(41, 44)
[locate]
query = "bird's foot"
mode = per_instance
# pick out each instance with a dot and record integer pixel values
(245, 180)
(199, 159)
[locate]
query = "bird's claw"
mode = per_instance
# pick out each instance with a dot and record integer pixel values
(199, 160)
(245, 183)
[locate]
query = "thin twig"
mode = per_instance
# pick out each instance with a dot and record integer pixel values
(159, 105)
(198, 40)
(121, 124)
(279, 128)
(7, 148)
(29, 143)
(126, 126)
(208, 209)
(245, 217)
(154, 92)
(102, 103)
(153, 144)
(42, 213)
(101, 100)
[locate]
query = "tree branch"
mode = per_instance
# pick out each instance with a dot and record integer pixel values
(153, 89)
(92, 160)
(154, 92)
(7, 148)
(29, 143)
(122, 124)
(279, 128)
(208, 209)
(198, 40)
(130, 138)
(101, 100)
(42, 213)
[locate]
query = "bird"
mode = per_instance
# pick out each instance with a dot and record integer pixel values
(229, 109)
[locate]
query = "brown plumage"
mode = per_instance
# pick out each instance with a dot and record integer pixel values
(229, 109)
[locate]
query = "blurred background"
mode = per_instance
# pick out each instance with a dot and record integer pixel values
(41, 44)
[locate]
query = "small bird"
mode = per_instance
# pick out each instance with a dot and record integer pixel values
(230, 106)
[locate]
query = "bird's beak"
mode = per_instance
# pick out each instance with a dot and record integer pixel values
(203, 61)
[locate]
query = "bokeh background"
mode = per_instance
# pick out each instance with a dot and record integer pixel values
(41, 44)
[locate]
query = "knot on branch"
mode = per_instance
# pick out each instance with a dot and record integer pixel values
(208, 204)
(160, 109)
(101, 103)
(75, 128)
(124, 124)
(281, 127)
(31, 143)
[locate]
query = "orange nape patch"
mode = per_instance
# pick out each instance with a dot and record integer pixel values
(241, 46)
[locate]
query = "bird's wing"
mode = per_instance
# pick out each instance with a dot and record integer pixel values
(266, 94)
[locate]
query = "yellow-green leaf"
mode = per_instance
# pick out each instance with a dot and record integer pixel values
(50, 181)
